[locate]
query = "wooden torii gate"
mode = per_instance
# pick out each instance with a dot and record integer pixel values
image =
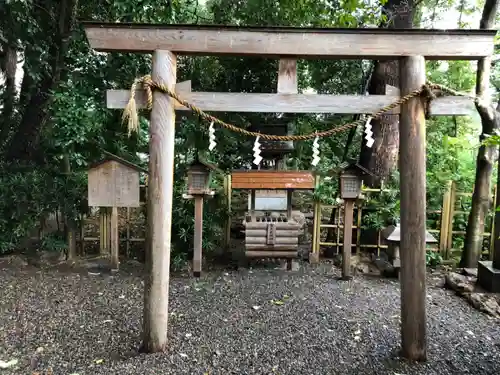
(411, 47)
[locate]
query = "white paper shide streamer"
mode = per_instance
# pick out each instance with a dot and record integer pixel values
(315, 148)
(368, 133)
(211, 137)
(256, 152)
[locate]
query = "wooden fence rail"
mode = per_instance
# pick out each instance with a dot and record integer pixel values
(444, 230)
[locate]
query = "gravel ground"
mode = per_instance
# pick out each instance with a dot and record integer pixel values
(226, 323)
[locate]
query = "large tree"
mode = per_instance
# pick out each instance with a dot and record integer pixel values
(487, 154)
(40, 32)
(381, 158)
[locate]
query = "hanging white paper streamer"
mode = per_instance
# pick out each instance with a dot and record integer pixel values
(256, 152)
(368, 131)
(316, 157)
(211, 137)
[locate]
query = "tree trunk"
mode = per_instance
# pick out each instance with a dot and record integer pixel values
(381, 159)
(24, 143)
(487, 155)
(352, 132)
(69, 222)
(9, 67)
(495, 251)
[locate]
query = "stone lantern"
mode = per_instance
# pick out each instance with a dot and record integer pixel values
(392, 235)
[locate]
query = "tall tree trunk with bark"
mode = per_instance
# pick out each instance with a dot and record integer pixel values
(70, 227)
(8, 66)
(35, 94)
(487, 155)
(381, 159)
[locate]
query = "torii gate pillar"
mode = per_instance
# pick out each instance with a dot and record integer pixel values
(412, 166)
(160, 198)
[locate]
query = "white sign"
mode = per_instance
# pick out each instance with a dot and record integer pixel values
(269, 200)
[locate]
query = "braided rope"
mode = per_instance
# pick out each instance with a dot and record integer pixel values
(149, 85)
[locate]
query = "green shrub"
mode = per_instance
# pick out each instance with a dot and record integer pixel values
(29, 194)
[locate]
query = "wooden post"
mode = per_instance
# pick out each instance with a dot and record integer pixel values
(115, 241)
(287, 76)
(103, 245)
(445, 213)
(347, 247)
(160, 196)
(127, 244)
(495, 246)
(289, 207)
(198, 235)
(413, 216)
(229, 193)
(314, 255)
(104, 238)
(358, 227)
(494, 223)
(337, 226)
(451, 216)
(252, 204)
(108, 229)
(82, 235)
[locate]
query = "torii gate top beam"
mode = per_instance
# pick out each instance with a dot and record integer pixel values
(368, 43)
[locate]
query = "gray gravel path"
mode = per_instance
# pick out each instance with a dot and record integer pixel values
(226, 324)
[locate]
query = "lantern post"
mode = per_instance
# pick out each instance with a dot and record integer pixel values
(198, 181)
(351, 178)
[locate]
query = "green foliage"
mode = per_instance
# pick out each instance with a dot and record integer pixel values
(382, 209)
(215, 216)
(433, 258)
(452, 144)
(493, 140)
(30, 195)
(327, 191)
(79, 126)
(178, 261)
(54, 242)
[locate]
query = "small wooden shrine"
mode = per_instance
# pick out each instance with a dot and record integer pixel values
(266, 236)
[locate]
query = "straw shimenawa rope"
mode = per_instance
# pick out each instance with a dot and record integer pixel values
(130, 112)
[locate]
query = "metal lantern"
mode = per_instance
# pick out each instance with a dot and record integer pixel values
(198, 178)
(350, 184)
